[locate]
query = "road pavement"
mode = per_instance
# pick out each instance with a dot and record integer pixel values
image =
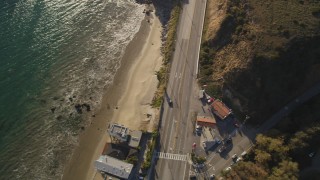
(176, 126)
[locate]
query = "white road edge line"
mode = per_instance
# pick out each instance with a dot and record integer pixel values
(205, 5)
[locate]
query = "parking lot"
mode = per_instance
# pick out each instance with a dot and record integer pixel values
(214, 142)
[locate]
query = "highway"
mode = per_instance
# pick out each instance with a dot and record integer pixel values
(176, 128)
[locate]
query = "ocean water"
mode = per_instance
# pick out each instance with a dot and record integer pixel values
(53, 56)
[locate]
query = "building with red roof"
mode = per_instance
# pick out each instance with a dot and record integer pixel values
(220, 109)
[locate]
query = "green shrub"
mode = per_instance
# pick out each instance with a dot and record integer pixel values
(155, 134)
(214, 90)
(132, 160)
(156, 101)
(201, 160)
(146, 165)
(207, 72)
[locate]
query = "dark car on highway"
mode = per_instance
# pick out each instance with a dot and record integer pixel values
(170, 102)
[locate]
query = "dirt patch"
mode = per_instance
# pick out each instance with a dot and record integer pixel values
(215, 14)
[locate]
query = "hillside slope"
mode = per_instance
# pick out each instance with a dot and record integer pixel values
(258, 55)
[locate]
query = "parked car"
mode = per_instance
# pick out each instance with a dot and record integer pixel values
(193, 176)
(234, 157)
(239, 159)
(212, 176)
(198, 129)
(218, 141)
(221, 149)
(204, 144)
(312, 154)
(210, 100)
(201, 94)
(228, 140)
(243, 153)
(198, 166)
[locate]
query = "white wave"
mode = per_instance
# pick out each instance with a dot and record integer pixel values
(85, 78)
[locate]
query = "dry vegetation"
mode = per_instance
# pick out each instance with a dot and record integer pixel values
(215, 13)
(263, 52)
(167, 51)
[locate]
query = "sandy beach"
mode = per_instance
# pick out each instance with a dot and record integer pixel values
(126, 102)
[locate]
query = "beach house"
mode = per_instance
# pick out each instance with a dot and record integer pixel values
(110, 165)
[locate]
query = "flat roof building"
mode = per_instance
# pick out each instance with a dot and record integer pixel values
(220, 109)
(119, 132)
(206, 121)
(135, 138)
(113, 166)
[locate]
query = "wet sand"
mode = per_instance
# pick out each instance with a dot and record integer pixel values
(125, 102)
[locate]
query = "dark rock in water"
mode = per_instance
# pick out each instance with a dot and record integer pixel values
(70, 99)
(90, 98)
(59, 118)
(82, 127)
(78, 108)
(93, 115)
(87, 106)
(70, 114)
(53, 109)
(74, 96)
(55, 98)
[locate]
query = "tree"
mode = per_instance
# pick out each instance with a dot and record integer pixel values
(287, 170)
(132, 160)
(247, 170)
(271, 144)
(298, 140)
(262, 157)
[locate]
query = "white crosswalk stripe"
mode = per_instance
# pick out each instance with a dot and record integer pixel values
(178, 157)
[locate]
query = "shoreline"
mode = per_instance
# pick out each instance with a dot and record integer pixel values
(129, 95)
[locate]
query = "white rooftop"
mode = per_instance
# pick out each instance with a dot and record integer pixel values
(135, 138)
(113, 166)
